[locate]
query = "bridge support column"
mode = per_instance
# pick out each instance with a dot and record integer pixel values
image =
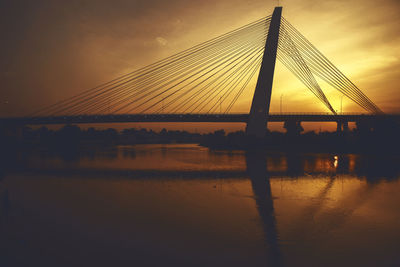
(339, 127)
(257, 123)
(293, 128)
(342, 126)
(346, 126)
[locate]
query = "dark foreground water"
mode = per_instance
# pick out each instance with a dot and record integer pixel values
(183, 205)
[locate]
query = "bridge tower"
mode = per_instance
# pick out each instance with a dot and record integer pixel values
(257, 123)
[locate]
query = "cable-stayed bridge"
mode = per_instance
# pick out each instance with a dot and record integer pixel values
(194, 84)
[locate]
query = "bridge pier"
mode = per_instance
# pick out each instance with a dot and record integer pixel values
(293, 127)
(342, 126)
(346, 126)
(338, 126)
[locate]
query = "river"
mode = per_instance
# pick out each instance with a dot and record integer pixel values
(184, 205)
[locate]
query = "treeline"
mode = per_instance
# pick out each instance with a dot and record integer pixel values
(382, 138)
(72, 135)
(377, 139)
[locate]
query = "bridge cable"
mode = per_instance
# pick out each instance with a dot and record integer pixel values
(92, 97)
(208, 44)
(289, 49)
(176, 68)
(215, 67)
(195, 66)
(256, 67)
(214, 80)
(205, 89)
(231, 89)
(221, 87)
(311, 52)
(315, 69)
(151, 66)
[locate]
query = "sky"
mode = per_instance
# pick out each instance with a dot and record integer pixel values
(53, 49)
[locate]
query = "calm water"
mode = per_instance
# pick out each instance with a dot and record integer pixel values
(183, 205)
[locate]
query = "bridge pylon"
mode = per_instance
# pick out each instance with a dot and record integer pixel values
(257, 123)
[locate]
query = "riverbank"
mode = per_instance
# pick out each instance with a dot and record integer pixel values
(71, 138)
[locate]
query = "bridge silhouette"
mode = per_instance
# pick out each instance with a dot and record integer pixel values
(192, 85)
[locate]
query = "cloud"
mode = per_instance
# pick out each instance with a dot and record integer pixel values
(161, 41)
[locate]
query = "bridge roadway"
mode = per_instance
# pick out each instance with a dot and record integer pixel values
(121, 118)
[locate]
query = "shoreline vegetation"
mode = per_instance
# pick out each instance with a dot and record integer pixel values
(358, 140)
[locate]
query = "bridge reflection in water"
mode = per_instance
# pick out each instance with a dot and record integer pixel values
(186, 205)
(257, 170)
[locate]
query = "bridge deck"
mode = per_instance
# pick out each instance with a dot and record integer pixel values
(121, 118)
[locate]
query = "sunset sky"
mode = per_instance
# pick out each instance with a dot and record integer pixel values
(54, 49)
